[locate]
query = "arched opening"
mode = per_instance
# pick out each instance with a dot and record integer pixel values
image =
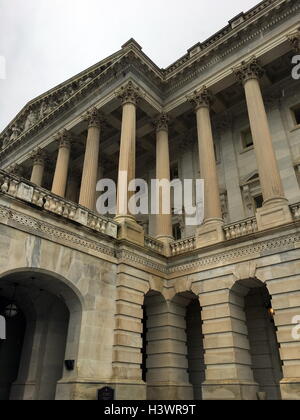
(264, 348)
(195, 347)
(173, 356)
(11, 347)
(37, 336)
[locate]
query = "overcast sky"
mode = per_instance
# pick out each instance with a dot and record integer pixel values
(44, 42)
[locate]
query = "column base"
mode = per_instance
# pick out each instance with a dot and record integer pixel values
(230, 390)
(274, 213)
(290, 389)
(170, 392)
(130, 230)
(211, 232)
(23, 391)
(86, 390)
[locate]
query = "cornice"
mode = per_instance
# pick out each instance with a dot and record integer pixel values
(229, 31)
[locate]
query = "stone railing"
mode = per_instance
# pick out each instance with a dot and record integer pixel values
(242, 228)
(26, 191)
(182, 246)
(295, 209)
(153, 244)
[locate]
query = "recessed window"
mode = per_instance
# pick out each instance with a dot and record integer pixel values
(174, 171)
(247, 139)
(296, 114)
(177, 232)
(258, 201)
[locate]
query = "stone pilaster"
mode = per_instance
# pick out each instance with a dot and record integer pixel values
(167, 364)
(285, 293)
(62, 164)
(129, 229)
(275, 210)
(163, 222)
(212, 231)
(38, 157)
(227, 356)
(91, 158)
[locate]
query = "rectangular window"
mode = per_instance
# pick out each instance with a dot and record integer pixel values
(258, 201)
(247, 139)
(174, 171)
(296, 114)
(177, 232)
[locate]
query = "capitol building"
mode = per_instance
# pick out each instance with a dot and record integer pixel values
(148, 305)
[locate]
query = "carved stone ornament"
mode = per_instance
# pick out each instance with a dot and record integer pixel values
(94, 118)
(38, 156)
(30, 120)
(162, 122)
(249, 70)
(15, 132)
(201, 98)
(129, 94)
(295, 41)
(64, 138)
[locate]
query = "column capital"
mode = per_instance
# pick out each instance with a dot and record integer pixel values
(129, 94)
(63, 139)
(248, 70)
(38, 156)
(294, 40)
(94, 118)
(201, 98)
(161, 122)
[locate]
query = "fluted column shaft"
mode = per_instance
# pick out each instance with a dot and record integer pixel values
(207, 159)
(163, 221)
(38, 168)
(271, 184)
(129, 96)
(62, 165)
(90, 167)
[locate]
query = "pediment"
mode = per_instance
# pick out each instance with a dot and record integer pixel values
(43, 109)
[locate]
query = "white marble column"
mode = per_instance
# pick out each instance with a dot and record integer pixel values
(249, 73)
(38, 168)
(91, 158)
(129, 229)
(163, 221)
(212, 231)
(62, 164)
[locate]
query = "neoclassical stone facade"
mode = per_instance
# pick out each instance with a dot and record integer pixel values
(150, 306)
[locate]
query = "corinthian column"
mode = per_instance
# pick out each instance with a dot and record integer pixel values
(208, 168)
(163, 221)
(90, 167)
(37, 174)
(129, 96)
(62, 164)
(249, 74)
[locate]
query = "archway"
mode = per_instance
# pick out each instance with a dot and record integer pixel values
(173, 356)
(39, 336)
(264, 349)
(11, 347)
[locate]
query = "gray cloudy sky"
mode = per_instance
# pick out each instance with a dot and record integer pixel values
(45, 42)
